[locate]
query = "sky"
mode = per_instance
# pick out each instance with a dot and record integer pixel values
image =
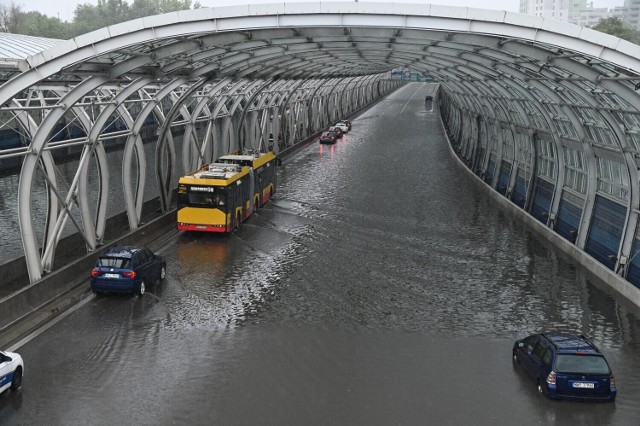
(63, 9)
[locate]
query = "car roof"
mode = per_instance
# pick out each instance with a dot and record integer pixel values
(125, 252)
(571, 343)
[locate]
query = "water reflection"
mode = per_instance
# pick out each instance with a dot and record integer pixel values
(379, 287)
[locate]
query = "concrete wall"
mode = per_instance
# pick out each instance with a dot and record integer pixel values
(605, 275)
(14, 272)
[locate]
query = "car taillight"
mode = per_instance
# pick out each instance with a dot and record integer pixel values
(129, 274)
(551, 378)
(96, 272)
(612, 382)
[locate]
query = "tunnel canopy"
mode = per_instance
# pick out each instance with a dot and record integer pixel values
(320, 40)
(571, 86)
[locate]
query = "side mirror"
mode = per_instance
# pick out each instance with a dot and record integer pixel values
(521, 345)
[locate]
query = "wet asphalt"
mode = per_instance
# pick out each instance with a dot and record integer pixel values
(378, 288)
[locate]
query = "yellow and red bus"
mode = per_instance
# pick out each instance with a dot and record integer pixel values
(219, 196)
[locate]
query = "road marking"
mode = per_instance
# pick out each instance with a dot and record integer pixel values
(414, 93)
(50, 324)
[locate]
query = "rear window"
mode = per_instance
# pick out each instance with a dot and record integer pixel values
(582, 364)
(114, 262)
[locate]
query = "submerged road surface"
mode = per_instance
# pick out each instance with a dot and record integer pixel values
(378, 288)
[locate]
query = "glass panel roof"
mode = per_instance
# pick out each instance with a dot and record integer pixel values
(16, 46)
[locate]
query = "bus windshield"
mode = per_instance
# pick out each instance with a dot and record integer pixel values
(207, 199)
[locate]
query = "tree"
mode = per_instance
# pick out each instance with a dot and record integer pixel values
(86, 17)
(114, 11)
(12, 18)
(5, 19)
(618, 28)
(39, 25)
(167, 6)
(142, 8)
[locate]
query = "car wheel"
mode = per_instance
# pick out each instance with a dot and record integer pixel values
(17, 379)
(163, 272)
(514, 358)
(142, 288)
(540, 388)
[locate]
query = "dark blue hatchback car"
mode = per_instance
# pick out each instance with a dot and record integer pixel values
(566, 367)
(127, 270)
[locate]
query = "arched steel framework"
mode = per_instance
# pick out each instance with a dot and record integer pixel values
(547, 113)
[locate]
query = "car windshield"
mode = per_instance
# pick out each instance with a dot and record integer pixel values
(114, 262)
(582, 364)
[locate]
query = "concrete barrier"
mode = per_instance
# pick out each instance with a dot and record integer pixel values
(18, 306)
(597, 269)
(14, 272)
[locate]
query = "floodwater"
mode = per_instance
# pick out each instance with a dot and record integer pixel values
(378, 288)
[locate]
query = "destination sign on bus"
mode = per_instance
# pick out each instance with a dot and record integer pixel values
(202, 188)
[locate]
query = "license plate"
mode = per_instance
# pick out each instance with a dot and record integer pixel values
(583, 385)
(111, 275)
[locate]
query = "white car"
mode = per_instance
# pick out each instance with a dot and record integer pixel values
(342, 126)
(11, 369)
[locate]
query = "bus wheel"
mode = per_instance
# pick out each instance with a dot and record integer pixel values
(238, 220)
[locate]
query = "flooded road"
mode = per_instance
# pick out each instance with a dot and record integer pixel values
(378, 288)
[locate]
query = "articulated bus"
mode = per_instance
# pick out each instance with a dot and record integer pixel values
(219, 196)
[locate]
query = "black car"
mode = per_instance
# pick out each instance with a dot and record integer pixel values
(127, 270)
(566, 366)
(336, 130)
(328, 137)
